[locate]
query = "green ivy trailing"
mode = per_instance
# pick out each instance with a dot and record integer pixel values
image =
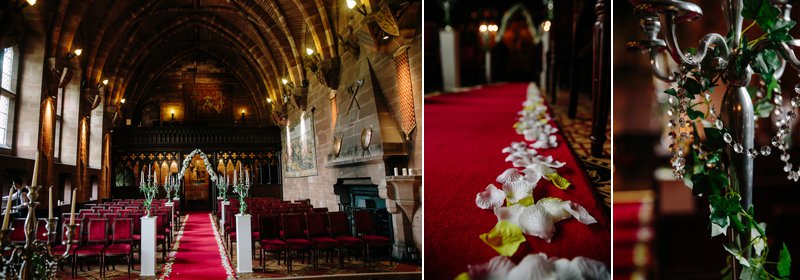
(703, 167)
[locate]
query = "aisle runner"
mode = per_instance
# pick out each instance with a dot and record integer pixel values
(464, 136)
(198, 255)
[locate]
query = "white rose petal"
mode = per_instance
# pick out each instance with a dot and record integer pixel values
(490, 198)
(579, 213)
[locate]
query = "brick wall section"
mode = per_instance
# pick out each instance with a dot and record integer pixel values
(320, 188)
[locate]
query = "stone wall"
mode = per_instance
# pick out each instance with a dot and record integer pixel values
(29, 95)
(320, 188)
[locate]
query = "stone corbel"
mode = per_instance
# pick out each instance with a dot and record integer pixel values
(403, 198)
(300, 97)
(279, 115)
(328, 72)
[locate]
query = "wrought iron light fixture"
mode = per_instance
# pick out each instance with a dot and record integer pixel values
(74, 54)
(360, 8)
(312, 58)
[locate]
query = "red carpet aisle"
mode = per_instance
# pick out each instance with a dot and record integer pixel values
(464, 136)
(198, 255)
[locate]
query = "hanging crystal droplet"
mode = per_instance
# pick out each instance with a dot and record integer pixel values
(766, 150)
(785, 128)
(707, 96)
(791, 114)
(787, 167)
(678, 162)
(727, 137)
(795, 102)
(671, 135)
(752, 152)
(776, 141)
(785, 157)
(671, 123)
(670, 112)
(797, 88)
(718, 123)
(738, 148)
(778, 100)
(672, 100)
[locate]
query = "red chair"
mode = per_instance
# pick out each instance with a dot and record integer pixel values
(76, 238)
(161, 233)
(320, 210)
(270, 238)
(96, 241)
(295, 238)
(365, 230)
(317, 232)
(121, 241)
(339, 228)
(17, 235)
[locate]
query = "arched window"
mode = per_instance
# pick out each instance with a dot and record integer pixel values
(8, 90)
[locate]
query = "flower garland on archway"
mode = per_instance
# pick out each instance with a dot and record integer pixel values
(185, 165)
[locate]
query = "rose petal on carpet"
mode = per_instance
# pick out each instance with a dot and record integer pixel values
(464, 135)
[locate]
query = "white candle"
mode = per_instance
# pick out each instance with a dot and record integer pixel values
(35, 168)
(405, 171)
(396, 173)
(141, 182)
(8, 208)
(235, 177)
(50, 204)
(72, 212)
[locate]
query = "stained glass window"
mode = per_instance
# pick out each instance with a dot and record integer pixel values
(4, 102)
(8, 62)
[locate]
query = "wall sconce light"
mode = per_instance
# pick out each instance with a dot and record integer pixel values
(243, 115)
(28, 3)
(173, 114)
(313, 59)
(122, 101)
(546, 26)
(73, 54)
(269, 100)
(360, 8)
(103, 84)
(287, 83)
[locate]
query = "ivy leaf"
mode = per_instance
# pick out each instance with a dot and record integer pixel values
(724, 209)
(784, 263)
(750, 9)
(671, 91)
(764, 108)
(780, 31)
(692, 88)
(709, 183)
(767, 15)
(736, 221)
(752, 273)
(713, 138)
(694, 114)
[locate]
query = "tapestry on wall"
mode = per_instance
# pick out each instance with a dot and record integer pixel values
(208, 102)
(299, 148)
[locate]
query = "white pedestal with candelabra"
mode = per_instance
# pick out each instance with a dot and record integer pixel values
(148, 247)
(244, 244)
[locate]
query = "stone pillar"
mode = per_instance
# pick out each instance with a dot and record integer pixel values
(403, 195)
(448, 50)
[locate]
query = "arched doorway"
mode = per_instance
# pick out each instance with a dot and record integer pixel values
(520, 41)
(198, 177)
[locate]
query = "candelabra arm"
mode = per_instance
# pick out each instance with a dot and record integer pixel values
(712, 39)
(787, 54)
(661, 71)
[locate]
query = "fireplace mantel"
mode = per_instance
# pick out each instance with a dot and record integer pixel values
(403, 195)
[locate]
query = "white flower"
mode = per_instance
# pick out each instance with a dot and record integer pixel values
(511, 174)
(490, 198)
(758, 240)
(509, 214)
(539, 266)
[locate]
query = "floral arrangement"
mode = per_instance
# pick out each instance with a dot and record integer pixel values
(222, 188)
(211, 174)
(702, 163)
(171, 184)
(149, 188)
(241, 186)
(522, 215)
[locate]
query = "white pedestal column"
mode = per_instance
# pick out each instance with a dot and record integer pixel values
(244, 253)
(171, 216)
(148, 247)
(451, 71)
(224, 214)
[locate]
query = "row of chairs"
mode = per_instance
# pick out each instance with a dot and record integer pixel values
(312, 233)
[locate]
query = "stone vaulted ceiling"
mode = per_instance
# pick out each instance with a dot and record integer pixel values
(130, 42)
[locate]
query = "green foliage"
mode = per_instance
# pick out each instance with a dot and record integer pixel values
(710, 182)
(784, 263)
